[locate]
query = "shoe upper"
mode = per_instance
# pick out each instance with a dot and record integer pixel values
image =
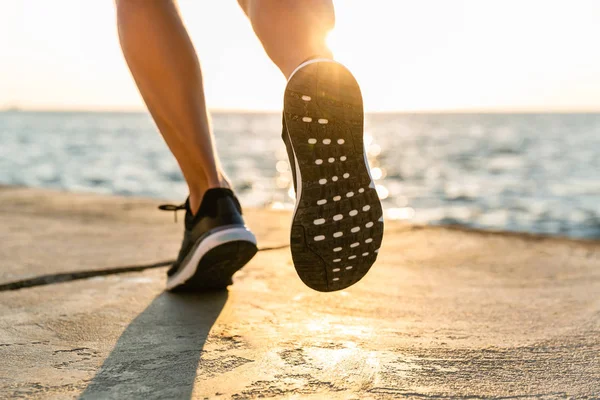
(219, 210)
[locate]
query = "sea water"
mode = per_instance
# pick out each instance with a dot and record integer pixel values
(518, 172)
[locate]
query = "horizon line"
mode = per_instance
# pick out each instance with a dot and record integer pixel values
(532, 110)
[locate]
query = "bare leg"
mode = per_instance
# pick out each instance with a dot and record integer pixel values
(291, 30)
(165, 67)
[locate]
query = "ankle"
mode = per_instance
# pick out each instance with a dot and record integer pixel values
(197, 191)
(224, 181)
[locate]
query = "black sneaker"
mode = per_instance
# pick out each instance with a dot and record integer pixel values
(337, 225)
(216, 243)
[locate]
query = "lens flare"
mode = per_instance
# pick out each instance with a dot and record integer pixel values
(400, 213)
(332, 41)
(382, 191)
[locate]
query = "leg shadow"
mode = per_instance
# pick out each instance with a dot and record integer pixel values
(158, 354)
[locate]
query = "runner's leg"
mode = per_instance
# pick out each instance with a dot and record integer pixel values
(290, 30)
(163, 62)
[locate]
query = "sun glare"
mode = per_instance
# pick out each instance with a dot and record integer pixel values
(332, 41)
(404, 56)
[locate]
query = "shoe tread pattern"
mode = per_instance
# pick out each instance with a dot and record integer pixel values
(334, 96)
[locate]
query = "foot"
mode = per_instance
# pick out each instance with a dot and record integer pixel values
(337, 225)
(216, 244)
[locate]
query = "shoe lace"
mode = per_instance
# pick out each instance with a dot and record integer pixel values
(172, 207)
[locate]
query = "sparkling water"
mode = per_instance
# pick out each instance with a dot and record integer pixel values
(518, 172)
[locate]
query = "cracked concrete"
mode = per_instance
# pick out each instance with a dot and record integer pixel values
(84, 232)
(445, 313)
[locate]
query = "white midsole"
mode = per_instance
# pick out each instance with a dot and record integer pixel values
(210, 242)
(311, 61)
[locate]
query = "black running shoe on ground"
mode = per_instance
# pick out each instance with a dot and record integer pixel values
(337, 225)
(216, 243)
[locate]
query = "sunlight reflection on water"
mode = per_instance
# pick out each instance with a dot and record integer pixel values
(536, 173)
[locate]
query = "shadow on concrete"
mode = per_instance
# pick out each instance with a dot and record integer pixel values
(158, 354)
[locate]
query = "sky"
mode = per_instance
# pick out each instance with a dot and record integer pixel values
(408, 55)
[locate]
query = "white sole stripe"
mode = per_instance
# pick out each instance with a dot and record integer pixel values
(187, 271)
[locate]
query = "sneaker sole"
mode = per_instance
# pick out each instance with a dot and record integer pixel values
(337, 226)
(213, 261)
